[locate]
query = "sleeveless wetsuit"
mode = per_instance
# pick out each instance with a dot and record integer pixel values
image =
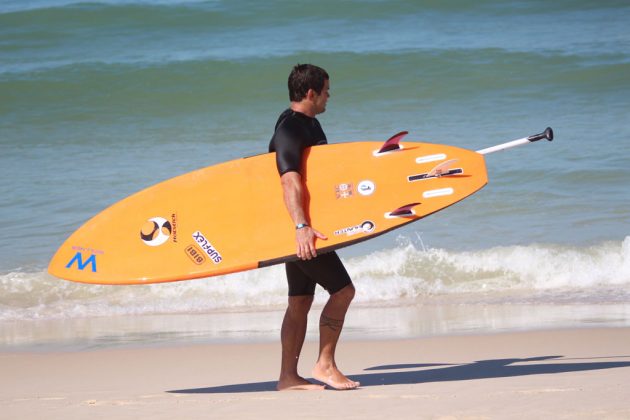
(293, 133)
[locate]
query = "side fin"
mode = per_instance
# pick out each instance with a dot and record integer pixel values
(392, 142)
(403, 211)
(442, 168)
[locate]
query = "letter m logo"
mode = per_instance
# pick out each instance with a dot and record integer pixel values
(78, 258)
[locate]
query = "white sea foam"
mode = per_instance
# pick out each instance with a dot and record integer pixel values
(596, 274)
(546, 273)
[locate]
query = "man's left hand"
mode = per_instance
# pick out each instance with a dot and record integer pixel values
(306, 238)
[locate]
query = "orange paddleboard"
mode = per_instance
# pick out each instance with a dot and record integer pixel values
(231, 217)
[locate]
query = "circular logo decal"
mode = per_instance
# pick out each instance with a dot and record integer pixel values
(155, 231)
(367, 226)
(366, 187)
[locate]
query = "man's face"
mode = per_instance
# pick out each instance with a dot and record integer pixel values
(321, 99)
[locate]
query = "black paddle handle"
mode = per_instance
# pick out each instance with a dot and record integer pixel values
(547, 134)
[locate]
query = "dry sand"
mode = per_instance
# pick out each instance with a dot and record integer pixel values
(552, 374)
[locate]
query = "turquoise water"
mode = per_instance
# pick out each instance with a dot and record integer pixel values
(101, 99)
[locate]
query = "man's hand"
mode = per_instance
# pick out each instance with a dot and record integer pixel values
(306, 238)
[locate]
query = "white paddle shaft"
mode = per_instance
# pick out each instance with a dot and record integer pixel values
(547, 134)
(503, 146)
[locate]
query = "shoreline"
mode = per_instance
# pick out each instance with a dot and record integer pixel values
(571, 373)
(363, 323)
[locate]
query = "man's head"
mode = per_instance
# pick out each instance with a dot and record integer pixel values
(310, 83)
(304, 77)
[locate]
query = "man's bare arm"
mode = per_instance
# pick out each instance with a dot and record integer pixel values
(294, 192)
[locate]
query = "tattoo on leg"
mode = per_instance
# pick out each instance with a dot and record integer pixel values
(333, 324)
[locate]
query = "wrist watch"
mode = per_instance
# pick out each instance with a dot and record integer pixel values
(301, 226)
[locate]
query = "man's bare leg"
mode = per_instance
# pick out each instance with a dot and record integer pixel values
(330, 326)
(292, 337)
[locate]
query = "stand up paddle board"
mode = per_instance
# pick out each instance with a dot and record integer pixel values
(231, 217)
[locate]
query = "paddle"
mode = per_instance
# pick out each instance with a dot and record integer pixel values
(547, 134)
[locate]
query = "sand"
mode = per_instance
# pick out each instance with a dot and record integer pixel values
(574, 373)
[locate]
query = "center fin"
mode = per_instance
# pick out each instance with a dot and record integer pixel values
(442, 169)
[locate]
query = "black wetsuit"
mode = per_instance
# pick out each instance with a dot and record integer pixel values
(293, 133)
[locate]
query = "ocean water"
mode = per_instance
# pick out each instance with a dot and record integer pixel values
(101, 99)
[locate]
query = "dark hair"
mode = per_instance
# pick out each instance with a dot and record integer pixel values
(304, 77)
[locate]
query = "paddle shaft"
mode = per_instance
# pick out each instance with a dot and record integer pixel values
(547, 134)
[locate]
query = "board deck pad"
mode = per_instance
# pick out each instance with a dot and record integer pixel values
(231, 217)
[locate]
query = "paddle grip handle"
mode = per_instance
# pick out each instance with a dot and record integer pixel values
(547, 134)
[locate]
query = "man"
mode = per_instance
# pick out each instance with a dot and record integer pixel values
(296, 129)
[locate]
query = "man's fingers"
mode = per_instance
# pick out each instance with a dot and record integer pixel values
(320, 235)
(310, 252)
(306, 253)
(306, 244)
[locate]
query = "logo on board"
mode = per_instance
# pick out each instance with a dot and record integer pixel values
(195, 254)
(84, 258)
(365, 227)
(366, 187)
(344, 190)
(157, 230)
(207, 247)
(82, 262)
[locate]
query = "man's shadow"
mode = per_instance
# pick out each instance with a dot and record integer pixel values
(440, 372)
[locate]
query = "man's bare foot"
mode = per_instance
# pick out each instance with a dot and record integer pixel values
(297, 384)
(332, 377)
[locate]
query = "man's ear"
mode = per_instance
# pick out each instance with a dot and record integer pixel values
(310, 94)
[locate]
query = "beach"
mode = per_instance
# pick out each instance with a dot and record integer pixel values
(567, 373)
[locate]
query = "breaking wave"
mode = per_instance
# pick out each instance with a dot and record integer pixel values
(402, 275)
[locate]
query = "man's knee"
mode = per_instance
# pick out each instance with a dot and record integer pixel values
(300, 304)
(345, 295)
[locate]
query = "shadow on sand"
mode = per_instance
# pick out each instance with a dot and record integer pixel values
(483, 369)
